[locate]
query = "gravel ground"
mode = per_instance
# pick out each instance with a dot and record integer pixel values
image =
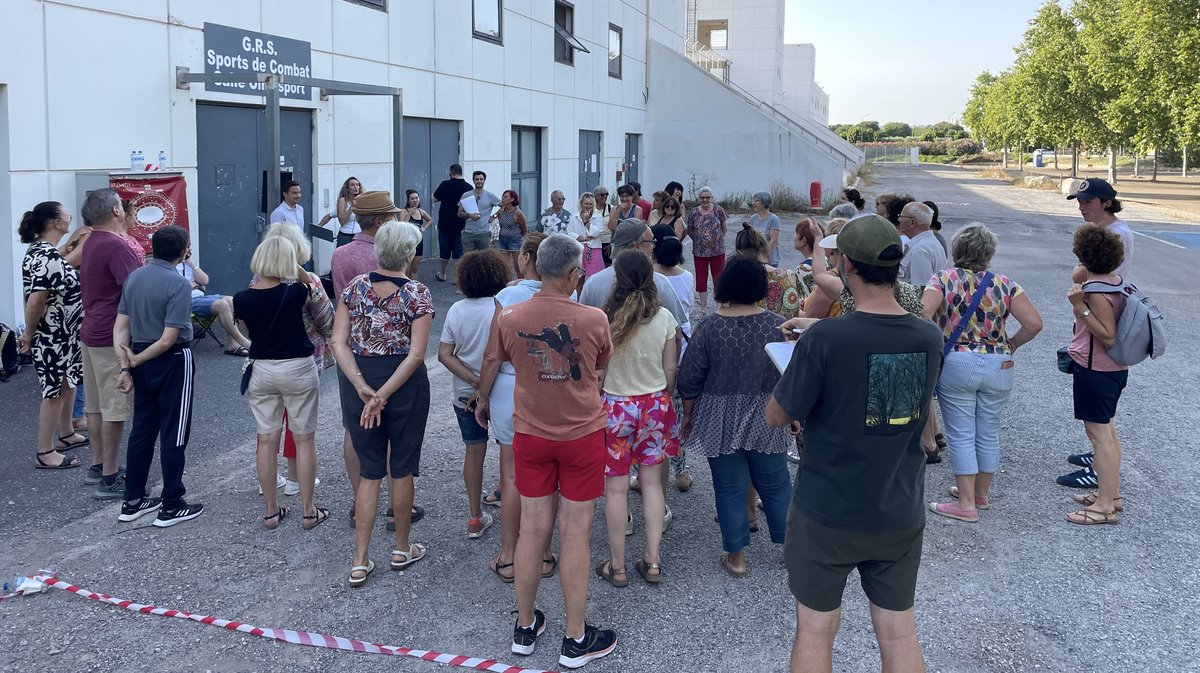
(1020, 591)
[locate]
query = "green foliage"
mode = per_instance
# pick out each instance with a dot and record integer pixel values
(784, 199)
(896, 130)
(734, 202)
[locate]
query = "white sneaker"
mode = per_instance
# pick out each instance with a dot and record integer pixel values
(280, 482)
(293, 487)
(667, 519)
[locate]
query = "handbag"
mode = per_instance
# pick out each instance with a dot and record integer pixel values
(1065, 363)
(970, 314)
(248, 367)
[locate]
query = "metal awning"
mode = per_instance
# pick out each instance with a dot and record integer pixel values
(184, 77)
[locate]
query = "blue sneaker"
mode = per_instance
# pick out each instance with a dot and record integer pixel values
(1085, 478)
(1082, 459)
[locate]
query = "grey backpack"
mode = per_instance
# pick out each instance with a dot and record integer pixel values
(1140, 331)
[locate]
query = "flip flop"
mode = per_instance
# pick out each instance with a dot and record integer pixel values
(440, 276)
(239, 352)
(278, 516)
(497, 566)
(492, 499)
(409, 557)
(366, 570)
(67, 462)
(67, 446)
(319, 518)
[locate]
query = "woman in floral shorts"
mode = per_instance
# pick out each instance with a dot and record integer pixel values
(641, 417)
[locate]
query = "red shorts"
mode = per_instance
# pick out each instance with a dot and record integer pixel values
(574, 468)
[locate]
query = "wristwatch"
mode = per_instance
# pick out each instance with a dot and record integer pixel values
(1085, 313)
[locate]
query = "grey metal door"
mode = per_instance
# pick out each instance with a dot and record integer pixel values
(633, 151)
(430, 146)
(589, 160)
(527, 167)
(230, 157)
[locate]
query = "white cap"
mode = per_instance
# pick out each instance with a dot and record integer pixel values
(829, 242)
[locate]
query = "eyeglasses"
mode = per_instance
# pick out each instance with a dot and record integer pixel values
(706, 198)
(671, 207)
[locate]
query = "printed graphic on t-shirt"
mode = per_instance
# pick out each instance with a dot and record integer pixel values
(556, 353)
(895, 386)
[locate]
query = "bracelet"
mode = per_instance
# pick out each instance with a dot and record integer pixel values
(126, 370)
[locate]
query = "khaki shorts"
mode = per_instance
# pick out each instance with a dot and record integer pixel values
(292, 384)
(100, 394)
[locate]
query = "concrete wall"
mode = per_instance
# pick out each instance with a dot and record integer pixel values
(801, 93)
(755, 43)
(700, 131)
(83, 82)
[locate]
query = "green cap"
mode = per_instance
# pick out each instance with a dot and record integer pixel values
(871, 240)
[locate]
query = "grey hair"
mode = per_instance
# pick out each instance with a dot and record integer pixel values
(559, 192)
(395, 243)
(763, 198)
(920, 212)
(97, 208)
(557, 255)
(973, 246)
(703, 189)
(844, 210)
(292, 233)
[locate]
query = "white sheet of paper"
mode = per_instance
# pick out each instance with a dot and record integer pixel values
(780, 353)
(470, 205)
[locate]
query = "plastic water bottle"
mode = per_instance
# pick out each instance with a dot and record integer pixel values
(25, 586)
(139, 162)
(162, 160)
(133, 160)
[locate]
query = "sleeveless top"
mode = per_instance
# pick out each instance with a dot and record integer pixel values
(509, 226)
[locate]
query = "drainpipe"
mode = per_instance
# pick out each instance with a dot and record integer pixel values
(646, 65)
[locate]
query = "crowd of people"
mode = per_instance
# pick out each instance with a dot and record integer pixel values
(586, 350)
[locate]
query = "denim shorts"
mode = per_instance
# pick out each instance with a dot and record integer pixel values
(472, 432)
(509, 243)
(202, 306)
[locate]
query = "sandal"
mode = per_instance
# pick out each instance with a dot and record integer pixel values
(980, 503)
(440, 276)
(940, 440)
(239, 352)
(366, 571)
(717, 520)
(497, 566)
(1089, 499)
(353, 523)
(67, 462)
(317, 519)
(553, 562)
(278, 517)
(644, 569)
(418, 513)
(408, 556)
(492, 499)
(67, 446)
(730, 569)
(610, 575)
(1091, 517)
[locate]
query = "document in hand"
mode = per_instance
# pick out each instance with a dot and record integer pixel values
(780, 353)
(470, 205)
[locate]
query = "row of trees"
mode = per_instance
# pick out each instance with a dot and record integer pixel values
(871, 131)
(1103, 74)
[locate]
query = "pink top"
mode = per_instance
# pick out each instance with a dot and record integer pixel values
(353, 259)
(135, 247)
(1082, 344)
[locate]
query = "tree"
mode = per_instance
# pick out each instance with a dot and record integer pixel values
(896, 130)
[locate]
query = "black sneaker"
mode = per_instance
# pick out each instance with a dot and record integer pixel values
(596, 643)
(1082, 459)
(113, 491)
(95, 475)
(525, 639)
(1085, 478)
(185, 512)
(138, 509)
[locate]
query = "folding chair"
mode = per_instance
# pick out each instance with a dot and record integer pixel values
(204, 327)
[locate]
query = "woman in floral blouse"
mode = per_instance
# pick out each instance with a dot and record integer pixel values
(707, 224)
(783, 296)
(379, 338)
(53, 315)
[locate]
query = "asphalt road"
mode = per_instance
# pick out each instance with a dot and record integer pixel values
(1022, 590)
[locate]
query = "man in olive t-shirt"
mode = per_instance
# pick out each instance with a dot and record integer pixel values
(861, 385)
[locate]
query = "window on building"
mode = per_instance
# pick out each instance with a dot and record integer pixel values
(614, 51)
(381, 5)
(526, 179)
(565, 43)
(487, 19)
(713, 33)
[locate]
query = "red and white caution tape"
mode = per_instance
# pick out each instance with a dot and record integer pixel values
(308, 638)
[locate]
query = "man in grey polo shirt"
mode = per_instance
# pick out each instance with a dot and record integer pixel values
(925, 255)
(477, 235)
(152, 336)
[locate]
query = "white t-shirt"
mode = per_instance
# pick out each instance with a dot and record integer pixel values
(468, 323)
(186, 271)
(636, 365)
(1121, 228)
(684, 285)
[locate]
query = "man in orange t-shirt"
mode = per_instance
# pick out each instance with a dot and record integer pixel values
(559, 350)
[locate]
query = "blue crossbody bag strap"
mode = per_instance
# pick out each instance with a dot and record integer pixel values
(965, 320)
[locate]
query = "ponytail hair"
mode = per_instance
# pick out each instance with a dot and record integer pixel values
(634, 298)
(750, 242)
(854, 197)
(35, 221)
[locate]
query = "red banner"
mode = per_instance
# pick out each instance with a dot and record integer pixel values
(158, 201)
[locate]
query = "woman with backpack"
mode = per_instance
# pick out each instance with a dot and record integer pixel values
(977, 374)
(1097, 380)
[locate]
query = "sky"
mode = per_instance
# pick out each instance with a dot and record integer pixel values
(911, 60)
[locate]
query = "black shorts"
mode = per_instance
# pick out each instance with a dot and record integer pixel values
(450, 243)
(819, 559)
(402, 426)
(1096, 393)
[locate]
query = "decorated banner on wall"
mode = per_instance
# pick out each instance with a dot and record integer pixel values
(158, 201)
